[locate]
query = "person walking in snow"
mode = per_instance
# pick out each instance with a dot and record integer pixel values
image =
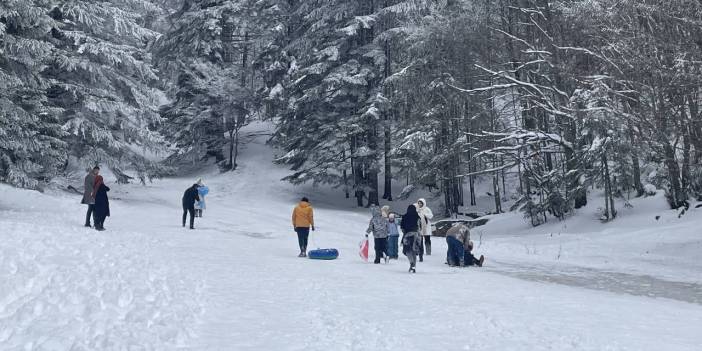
(101, 207)
(189, 197)
(378, 225)
(88, 199)
(202, 191)
(302, 221)
(425, 215)
(411, 239)
(393, 236)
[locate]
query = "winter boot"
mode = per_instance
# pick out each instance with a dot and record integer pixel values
(428, 246)
(481, 261)
(411, 269)
(302, 254)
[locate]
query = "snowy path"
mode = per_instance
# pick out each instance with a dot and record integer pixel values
(234, 283)
(589, 278)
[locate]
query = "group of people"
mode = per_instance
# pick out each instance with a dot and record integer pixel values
(386, 231)
(95, 196)
(415, 226)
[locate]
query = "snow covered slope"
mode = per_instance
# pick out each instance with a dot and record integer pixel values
(235, 282)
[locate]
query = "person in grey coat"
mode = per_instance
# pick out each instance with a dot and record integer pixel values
(379, 227)
(88, 199)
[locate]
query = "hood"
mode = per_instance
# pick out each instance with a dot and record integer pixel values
(375, 211)
(385, 211)
(423, 201)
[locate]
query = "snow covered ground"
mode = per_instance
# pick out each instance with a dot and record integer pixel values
(235, 282)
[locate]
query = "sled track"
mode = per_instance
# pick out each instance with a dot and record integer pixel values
(616, 282)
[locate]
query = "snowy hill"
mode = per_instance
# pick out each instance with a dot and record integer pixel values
(235, 282)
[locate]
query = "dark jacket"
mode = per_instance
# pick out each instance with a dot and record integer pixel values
(191, 195)
(102, 203)
(88, 189)
(410, 220)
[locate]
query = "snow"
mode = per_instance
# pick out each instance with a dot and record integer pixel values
(235, 282)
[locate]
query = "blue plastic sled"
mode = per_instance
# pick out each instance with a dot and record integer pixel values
(323, 254)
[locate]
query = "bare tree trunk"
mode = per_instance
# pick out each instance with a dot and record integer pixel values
(387, 194)
(244, 58)
(610, 212)
(358, 174)
(346, 177)
(496, 190)
(676, 193)
(635, 164)
(687, 146)
(236, 149)
(231, 149)
(372, 172)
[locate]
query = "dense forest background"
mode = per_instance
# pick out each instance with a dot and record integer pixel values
(546, 99)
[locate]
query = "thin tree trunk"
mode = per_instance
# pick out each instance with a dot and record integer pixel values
(635, 164)
(610, 212)
(387, 193)
(346, 177)
(244, 59)
(372, 173)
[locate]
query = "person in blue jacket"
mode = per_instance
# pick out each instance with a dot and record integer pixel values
(393, 237)
(202, 190)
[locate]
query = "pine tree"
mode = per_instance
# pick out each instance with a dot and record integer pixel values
(31, 145)
(102, 82)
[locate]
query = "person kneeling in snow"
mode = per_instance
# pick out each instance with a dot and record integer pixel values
(455, 239)
(379, 227)
(460, 247)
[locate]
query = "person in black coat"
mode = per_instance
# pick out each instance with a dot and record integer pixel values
(191, 195)
(411, 239)
(102, 203)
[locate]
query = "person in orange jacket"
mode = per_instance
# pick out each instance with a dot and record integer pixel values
(302, 220)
